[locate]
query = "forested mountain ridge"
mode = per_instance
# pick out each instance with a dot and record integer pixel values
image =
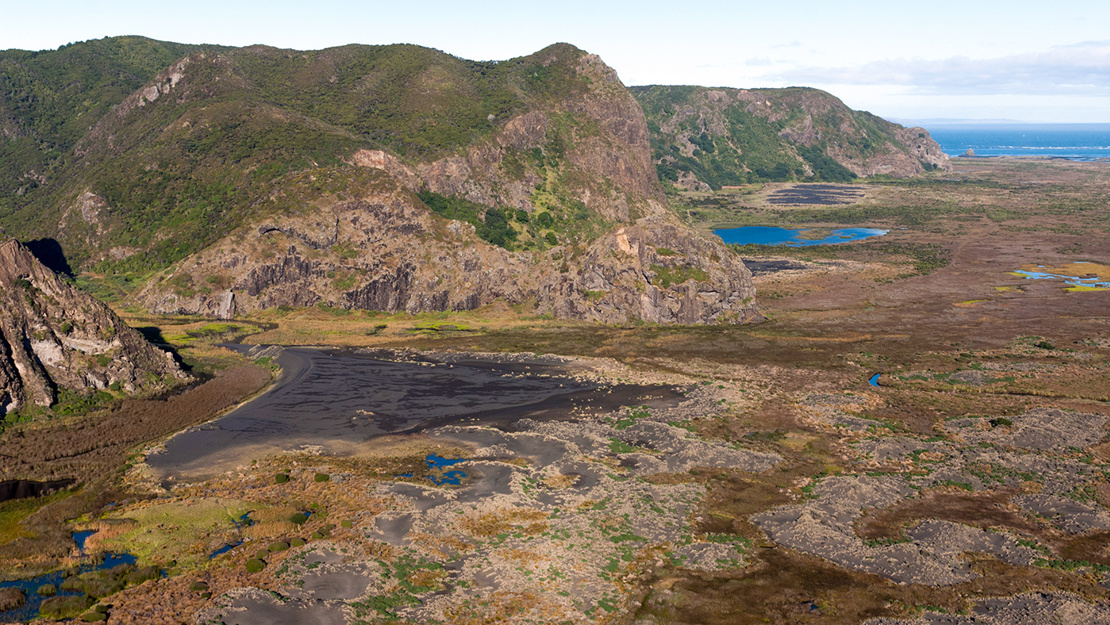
(706, 137)
(180, 158)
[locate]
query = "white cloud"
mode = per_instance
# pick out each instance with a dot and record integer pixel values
(1079, 69)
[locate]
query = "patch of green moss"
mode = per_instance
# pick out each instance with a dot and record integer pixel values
(666, 276)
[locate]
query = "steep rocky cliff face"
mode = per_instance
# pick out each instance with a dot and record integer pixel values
(712, 137)
(54, 336)
(378, 247)
(589, 145)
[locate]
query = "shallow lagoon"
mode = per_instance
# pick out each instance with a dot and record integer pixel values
(769, 235)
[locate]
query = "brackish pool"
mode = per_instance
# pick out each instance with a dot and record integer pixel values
(768, 235)
(435, 461)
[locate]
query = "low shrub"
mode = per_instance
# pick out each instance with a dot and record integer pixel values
(95, 616)
(100, 588)
(59, 608)
(11, 598)
(281, 478)
(255, 565)
(147, 573)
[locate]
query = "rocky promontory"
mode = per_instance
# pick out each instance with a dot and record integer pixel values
(53, 336)
(708, 137)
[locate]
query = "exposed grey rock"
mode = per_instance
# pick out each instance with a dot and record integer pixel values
(254, 606)
(390, 253)
(1072, 516)
(1025, 609)
(1041, 429)
(825, 527)
(53, 335)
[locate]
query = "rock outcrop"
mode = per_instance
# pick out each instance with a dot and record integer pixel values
(599, 132)
(53, 336)
(384, 250)
(574, 149)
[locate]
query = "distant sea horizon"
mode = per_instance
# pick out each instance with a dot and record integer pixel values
(1076, 142)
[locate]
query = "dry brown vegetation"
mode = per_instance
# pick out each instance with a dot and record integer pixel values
(493, 522)
(94, 448)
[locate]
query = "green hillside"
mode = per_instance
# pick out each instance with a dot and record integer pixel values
(50, 99)
(726, 137)
(174, 174)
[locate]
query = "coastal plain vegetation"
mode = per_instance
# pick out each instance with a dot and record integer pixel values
(986, 429)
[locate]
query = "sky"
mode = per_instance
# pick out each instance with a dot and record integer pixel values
(1019, 60)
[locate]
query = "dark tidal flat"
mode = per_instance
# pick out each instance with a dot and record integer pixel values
(342, 398)
(815, 195)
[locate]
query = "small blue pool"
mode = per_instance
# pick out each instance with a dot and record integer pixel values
(768, 235)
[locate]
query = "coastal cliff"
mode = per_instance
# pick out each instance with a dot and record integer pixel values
(382, 249)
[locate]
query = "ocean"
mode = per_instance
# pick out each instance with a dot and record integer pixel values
(1077, 142)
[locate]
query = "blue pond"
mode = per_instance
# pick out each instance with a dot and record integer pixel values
(81, 537)
(436, 461)
(768, 235)
(244, 520)
(1088, 281)
(874, 381)
(30, 587)
(449, 477)
(222, 550)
